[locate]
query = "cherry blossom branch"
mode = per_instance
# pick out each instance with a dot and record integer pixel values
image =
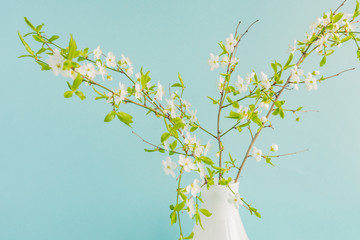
(342, 4)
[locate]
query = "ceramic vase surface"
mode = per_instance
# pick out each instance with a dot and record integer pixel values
(225, 222)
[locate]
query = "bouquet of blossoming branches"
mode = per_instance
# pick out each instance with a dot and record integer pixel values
(179, 141)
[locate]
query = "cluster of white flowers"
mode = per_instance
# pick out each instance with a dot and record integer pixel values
(309, 80)
(345, 22)
(117, 95)
(214, 61)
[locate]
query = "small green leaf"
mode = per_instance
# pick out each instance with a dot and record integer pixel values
(72, 48)
(165, 136)
(173, 217)
(176, 85)
(68, 94)
(206, 160)
(110, 116)
(190, 236)
(205, 212)
(53, 38)
(329, 52)
(181, 80)
(27, 47)
(29, 24)
(323, 61)
(125, 118)
(179, 207)
(337, 17)
(39, 39)
(213, 100)
(289, 60)
(78, 80)
(80, 95)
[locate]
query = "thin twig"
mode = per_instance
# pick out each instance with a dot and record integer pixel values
(350, 69)
(339, 7)
(153, 144)
(293, 153)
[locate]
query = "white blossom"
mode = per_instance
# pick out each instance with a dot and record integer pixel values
(97, 52)
(169, 166)
(315, 24)
(263, 120)
(225, 61)
(88, 70)
(265, 81)
(125, 61)
(295, 76)
(138, 90)
(193, 188)
(244, 111)
(160, 92)
(102, 69)
(274, 148)
(186, 163)
(207, 148)
(130, 71)
(257, 153)
(111, 60)
(138, 76)
(241, 85)
(230, 43)
(235, 200)
(202, 171)
(310, 82)
(191, 207)
(213, 61)
(193, 117)
(56, 62)
(292, 49)
(221, 83)
(264, 105)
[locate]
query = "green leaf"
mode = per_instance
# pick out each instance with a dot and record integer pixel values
(39, 39)
(235, 115)
(173, 217)
(68, 94)
(29, 24)
(205, 212)
(282, 114)
(27, 47)
(176, 85)
(179, 207)
(181, 80)
(125, 118)
(78, 80)
(110, 116)
(289, 60)
(190, 236)
(345, 39)
(72, 48)
(41, 50)
(337, 17)
(165, 136)
(53, 38)
(329, 52)
(235, 105)
(358, 53)
(213, 100)
(206, 160)
(257, 214)
(274, 67)
(257, 120)
(80, 95)
(22, 56)
(323, 61)
(173, 145)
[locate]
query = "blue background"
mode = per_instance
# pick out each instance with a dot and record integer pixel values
(65, 174)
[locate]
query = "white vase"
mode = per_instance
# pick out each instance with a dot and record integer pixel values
(225, 222)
